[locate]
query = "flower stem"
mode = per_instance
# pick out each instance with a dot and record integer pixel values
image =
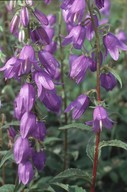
(97, 43)
(64, 97)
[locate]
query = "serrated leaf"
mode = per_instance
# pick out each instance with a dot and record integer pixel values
(14, 123)
(113, 143)
(80, 126)
(7, 188)
(72, 172)
(7, 156)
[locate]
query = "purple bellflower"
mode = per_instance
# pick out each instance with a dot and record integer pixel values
(40, 131)
(14, 24)
(99, 3)
(24, 16)
(78, 106)
(24, 101)
(100, 119)
(89, 27)
(76, 37)
(78, 67)
(49, 62)
(25, 172)
(51, 101)
(112, 45)
(105, 10)
(39, 159)
(67, 4)
(21, 150)
(108, 81)
(41, 17)
(27, 124)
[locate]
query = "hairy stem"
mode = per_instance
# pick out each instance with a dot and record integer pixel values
(64, 97)
(97, 41)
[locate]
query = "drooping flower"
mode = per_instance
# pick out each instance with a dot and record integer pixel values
(40, 131)
(49, 62)
(75, 8)
(100, 119)
(51, 101)
(78, 106)
(43, 81)
(99, 3)
(24, 16)
(78, 67)
(21, 150)
(41, 17)
(25, 172)
(25, 100)
(89, 27)
(14, 24)
(39, 159)
(105, 10)
(93, 61)
(108, 81)
(112, 45)
(27, 124)
(76, 37)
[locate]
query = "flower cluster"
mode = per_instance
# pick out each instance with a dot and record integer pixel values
(42, 71)
(81, 26)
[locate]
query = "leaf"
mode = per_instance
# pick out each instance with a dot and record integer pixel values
(7, 125)
(113, 143)
(51, 139)
(72, 172)
(91, 147)
(80, 126)
(70, 188)
(7, 156)
(7, 188)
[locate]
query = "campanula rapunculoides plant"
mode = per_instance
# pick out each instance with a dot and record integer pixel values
(53, 52)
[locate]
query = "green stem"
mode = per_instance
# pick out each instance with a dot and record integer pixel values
(64, 97)
(97, 41)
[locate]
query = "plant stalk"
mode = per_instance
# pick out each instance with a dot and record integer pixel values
(97, 43)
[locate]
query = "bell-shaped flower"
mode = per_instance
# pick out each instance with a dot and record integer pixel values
(89, 27)
(49, 62)
(105, 10)
(100, 119)
(51, 48)
(51, 101)
(76, 37)
(41, 17)
(93, 61)
(25, 172)
(99, 3)
(108, 81)
(78, 68)
(24, 16)
(14, 24)
(40, 131)
(39, 35)
(21, 150)
(66, 4)
(43, 80)
(38, 159)
(78, 106)
(25, 100)
(27, 124)
(112, 45)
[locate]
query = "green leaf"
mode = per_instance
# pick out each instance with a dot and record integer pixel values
(80, 126)
(7, 188)
(7, 125)
(70, 188)
(113, 143)
(72, 172)
(49, 140)
(7, 156)
(91, 147)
